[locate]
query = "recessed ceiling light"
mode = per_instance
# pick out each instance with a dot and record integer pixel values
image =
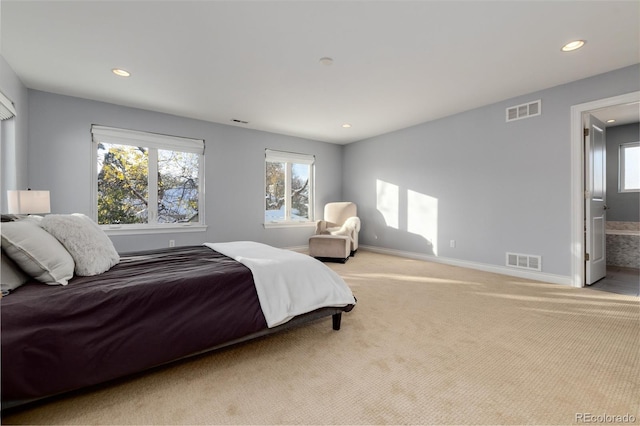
(611, 121)
(326, 61)
(573, 45)
(346, 125)
(120, 72)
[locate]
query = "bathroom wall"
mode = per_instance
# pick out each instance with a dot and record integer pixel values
(623, 215)
(623, 206)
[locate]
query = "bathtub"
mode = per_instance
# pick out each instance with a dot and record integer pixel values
(623, 244)
(623, 232)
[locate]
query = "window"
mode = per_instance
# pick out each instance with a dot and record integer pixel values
(629, 169)
(146, 180)
(7, 110)
(8, 163)
(288, 188)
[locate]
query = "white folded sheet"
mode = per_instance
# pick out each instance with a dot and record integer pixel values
(288, 283)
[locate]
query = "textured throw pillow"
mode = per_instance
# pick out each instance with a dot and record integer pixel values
(91, 249)
(11, 276)
(37, 252)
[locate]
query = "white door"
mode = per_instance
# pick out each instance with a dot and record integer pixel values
(595, 199)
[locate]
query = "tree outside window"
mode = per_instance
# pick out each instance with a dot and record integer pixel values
(122, 184)
(144, 182)
(288, 187)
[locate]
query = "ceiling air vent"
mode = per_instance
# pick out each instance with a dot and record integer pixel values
(527, 110)
(524, 261)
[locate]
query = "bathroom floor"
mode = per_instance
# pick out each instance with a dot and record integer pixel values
(620, 280)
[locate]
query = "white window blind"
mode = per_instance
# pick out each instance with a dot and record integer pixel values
(117, 136)
(288, 157)
(7, 109)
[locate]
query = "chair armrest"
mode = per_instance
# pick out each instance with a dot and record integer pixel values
(321, 227)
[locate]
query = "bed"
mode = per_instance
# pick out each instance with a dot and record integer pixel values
(151, 308)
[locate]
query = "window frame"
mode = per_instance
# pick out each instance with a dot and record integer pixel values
(290, 158)
(622, 165)
(153, 142)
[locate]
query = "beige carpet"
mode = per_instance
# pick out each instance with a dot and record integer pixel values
(427, 344)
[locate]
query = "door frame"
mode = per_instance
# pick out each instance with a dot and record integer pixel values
(577, 179)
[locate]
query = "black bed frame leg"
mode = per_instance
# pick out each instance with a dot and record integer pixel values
(336, 321)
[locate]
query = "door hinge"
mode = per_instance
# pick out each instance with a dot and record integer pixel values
(586, 256)
(586, 132)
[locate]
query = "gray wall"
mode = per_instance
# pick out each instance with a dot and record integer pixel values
(491, 186)
(14, 135)
(623, 206)
(60, 155)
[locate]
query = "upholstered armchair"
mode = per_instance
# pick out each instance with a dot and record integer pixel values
(336, 236)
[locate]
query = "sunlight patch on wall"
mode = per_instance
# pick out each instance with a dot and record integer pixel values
(388, 202)
(422, 217)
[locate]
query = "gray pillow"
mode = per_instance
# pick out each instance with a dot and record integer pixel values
(37, 252)
(91, 249)
(11, 276)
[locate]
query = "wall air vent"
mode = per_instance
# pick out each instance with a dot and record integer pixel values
(524, 261)
(527, 110)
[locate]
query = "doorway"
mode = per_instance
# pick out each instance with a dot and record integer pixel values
(620, 280)
(578, 215)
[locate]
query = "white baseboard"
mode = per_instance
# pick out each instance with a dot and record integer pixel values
(531, 275)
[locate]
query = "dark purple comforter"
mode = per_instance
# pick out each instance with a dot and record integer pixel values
(153, 307)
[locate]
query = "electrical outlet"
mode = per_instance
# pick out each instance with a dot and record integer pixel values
(172, 243)
(452, 243)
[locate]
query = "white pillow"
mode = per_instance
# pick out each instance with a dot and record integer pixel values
(11, 276)
(91, 249)
(37, 252)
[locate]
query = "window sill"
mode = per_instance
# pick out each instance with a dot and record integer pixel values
(151, 229)
(308, 224)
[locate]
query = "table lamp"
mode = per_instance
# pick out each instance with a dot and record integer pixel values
(28, 202)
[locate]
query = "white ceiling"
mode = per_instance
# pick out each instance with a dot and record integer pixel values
(621, 114)
(396, 63)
